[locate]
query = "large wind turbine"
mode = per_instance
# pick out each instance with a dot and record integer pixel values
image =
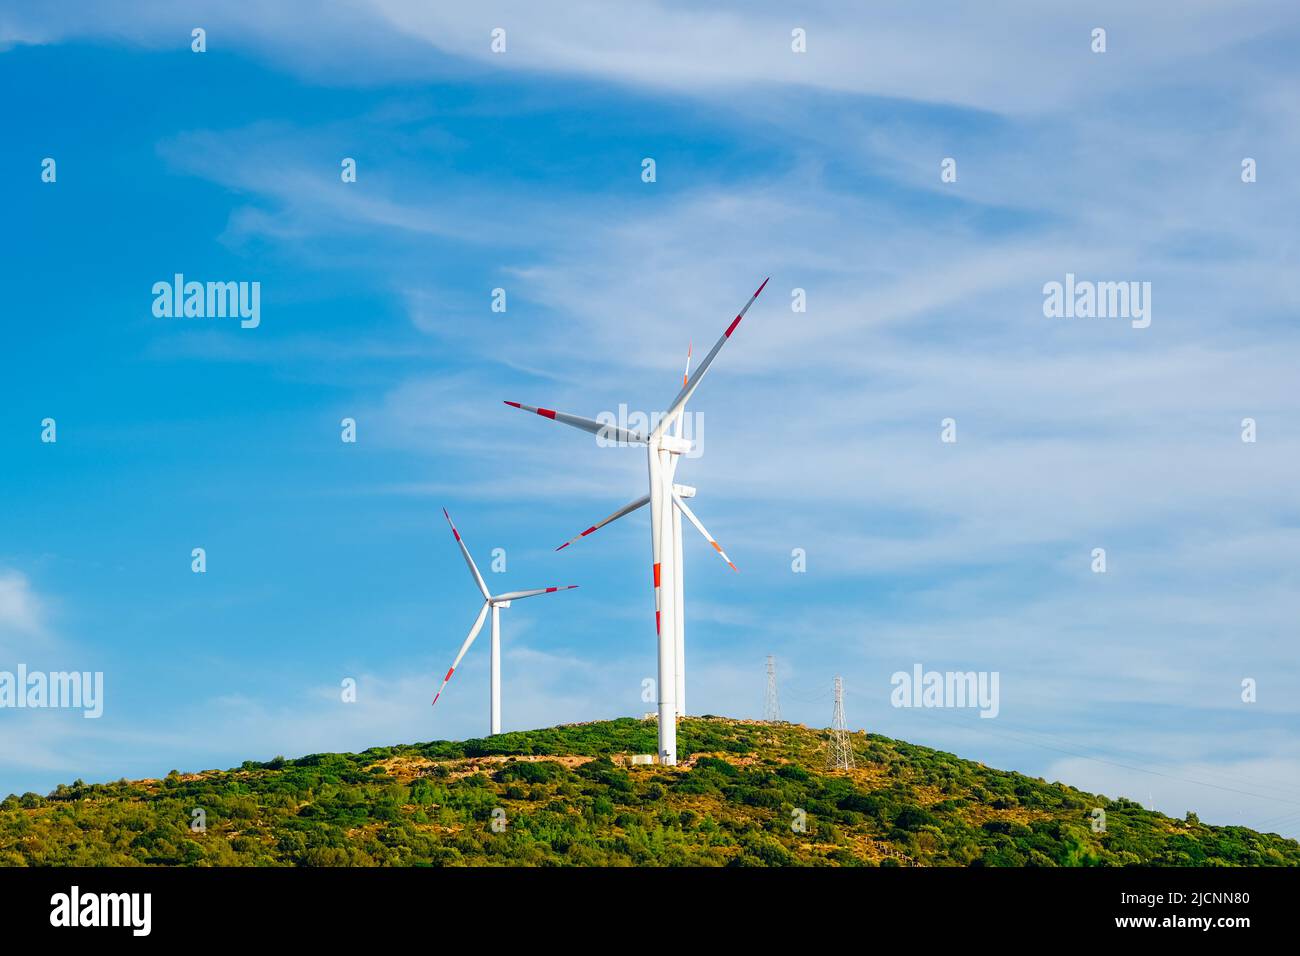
(678, 574)
(496, 603)
(667, 503)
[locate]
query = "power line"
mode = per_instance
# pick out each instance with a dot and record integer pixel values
(1021, 736)
(1114, 763)
(1290, 797)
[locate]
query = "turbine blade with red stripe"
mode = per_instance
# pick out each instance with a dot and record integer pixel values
(626, 509)
(473, 569)
(520, 595)
(473, 633)
(605, 430)
(686, 377)
(690, 516)
(693, 382)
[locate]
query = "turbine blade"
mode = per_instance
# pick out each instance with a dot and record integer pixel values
(686, 377)
(473, 569)
(690, 516)
(520, 595)
(608, 431)
(626, 509)
(473, 633)
(693, 382)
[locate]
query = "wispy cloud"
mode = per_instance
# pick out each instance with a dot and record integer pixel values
(1001, 56)
(20, 609)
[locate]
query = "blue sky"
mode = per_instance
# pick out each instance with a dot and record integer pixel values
(821, 428)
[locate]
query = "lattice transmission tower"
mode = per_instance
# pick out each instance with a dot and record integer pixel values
(839, 752)
(771, 701)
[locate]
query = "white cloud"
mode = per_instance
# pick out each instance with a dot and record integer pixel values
(1005, 56)
(24, 628)
(20, 609)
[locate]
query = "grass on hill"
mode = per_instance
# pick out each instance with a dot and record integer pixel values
(745, 794)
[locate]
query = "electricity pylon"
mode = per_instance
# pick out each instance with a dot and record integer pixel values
(771, 702)
(839, 754)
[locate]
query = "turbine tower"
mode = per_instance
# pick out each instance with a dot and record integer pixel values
(771, 702)
(495, 603)
(679, 575)
(840, 751)
(666, 500)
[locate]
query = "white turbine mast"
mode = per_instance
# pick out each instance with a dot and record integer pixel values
(667, 506)
(495, 603)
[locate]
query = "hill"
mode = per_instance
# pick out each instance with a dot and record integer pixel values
(746, 794)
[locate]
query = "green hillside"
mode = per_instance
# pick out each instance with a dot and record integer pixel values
(565, 796)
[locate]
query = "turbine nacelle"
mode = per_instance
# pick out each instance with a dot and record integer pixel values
(675, 445)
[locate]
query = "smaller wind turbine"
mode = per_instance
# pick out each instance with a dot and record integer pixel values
(496, 603)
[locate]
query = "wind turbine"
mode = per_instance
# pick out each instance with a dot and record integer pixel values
(678, 574)
(496, 603)
(667, 504)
